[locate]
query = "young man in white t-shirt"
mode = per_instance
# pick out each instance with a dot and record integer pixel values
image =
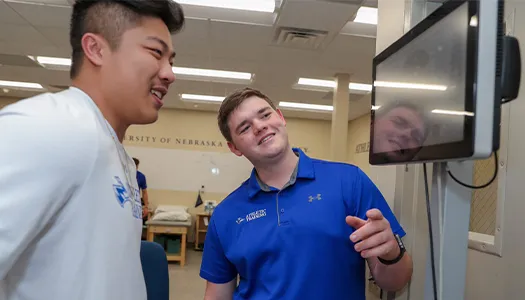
(70, 211)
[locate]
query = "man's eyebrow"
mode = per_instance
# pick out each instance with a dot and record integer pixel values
(165, 47)
(260, 111)
(263, 109)
(240, 125)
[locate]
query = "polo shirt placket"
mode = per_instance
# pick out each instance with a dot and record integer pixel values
(283, 215)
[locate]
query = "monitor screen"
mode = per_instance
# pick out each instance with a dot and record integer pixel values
(419, 106)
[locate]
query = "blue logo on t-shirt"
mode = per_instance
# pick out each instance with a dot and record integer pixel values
(123, 196)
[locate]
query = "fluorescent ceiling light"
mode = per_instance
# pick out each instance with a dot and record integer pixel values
(193, 97)
(212, 73)
(332, 84)
(407, 85)
(367, 15)
(306, 106)
(374, 107)
(58, 63)
(201, 97)
(53, 61)
(360, 87)
(22, 85)
(252, 5)
(317, 82)
(453, 112)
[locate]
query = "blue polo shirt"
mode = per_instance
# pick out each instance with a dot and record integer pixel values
(293, 243)
(141, 181)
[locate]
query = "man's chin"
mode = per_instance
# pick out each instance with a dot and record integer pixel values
(272, 151)
(148, 119)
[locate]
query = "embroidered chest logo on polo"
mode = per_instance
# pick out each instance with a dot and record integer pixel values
(312, 198)
(252, 216)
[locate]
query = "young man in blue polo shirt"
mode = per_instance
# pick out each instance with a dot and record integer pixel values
(298, 228)
(143, 188)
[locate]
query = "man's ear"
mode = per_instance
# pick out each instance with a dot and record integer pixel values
(95, 48)
(280, 113)
(234, 149)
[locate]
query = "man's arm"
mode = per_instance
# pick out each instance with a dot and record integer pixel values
(375, 226)
(391, 277)
(145, 197)
(223, 291)
(43, 161)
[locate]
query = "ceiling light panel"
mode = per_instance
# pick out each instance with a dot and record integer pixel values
(306, 106)
(57, 63)
(409, 85)
(331, 84)
(206, 98)
(21, 85)
(249, 5)
(206, 73)
(366, 15)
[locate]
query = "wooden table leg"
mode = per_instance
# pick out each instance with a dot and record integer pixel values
(183, 250)
(149, 235)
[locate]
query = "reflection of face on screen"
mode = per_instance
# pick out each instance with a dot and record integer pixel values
(430, 72)
(399, 132)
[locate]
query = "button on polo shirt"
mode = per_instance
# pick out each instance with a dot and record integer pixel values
(293, 243)
(282, 218)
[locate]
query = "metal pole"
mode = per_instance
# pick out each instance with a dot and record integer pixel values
(450, 215)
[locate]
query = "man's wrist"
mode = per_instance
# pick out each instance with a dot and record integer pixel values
(392, 254)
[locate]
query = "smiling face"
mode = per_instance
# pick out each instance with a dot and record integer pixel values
(257, 131)
(136, 76)
(399, 133)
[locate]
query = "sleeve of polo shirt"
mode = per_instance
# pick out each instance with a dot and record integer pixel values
(215, 266)
(368, 196)
(43, 162)
(143, 183)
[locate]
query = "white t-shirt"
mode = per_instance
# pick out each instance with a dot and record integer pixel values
(69, 228)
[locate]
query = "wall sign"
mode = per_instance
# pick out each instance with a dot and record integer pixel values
(162, 140)
(363, 147)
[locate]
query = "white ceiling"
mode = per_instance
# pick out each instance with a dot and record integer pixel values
(214, 38)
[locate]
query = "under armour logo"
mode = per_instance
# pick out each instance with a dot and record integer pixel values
(312, 198)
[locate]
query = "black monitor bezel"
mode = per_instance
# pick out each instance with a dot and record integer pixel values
(445, 151)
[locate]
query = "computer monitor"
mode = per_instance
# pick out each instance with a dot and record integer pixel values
(436, 90)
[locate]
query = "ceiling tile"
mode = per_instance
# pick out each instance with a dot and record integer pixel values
(59, 36)
(43, 15)
(22, 34)
(9, 16)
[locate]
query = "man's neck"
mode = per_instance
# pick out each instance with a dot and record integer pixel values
(95, 94)
(278, 173)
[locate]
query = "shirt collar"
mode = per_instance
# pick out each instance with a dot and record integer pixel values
(304, 169)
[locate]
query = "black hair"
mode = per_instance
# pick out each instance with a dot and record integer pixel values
(111, 18)
(136, 160)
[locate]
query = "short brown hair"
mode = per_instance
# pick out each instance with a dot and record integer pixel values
(233, 101)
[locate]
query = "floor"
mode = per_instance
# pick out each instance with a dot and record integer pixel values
(185, 283)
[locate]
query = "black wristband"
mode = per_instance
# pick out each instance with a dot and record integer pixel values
(402, 251)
